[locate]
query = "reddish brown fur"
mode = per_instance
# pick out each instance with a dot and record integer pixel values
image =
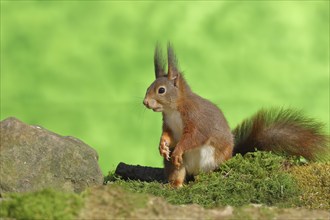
(175, 176)
(282, 130)
(202, 121)
(203, 124)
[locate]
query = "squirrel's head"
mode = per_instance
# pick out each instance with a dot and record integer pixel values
(165, 91)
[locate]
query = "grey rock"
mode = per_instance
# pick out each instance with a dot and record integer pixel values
(33, 158)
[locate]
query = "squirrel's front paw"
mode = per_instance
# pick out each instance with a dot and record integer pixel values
(177, 158)
(164, 149)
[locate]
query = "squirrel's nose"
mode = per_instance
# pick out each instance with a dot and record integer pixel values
(145, 102)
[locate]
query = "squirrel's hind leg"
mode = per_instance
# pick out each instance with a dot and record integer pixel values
(175, 177)
(223, 153)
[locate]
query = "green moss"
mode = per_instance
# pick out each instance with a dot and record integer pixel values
(111, 177)
(314, 182)
(255, 178)
(45, 204)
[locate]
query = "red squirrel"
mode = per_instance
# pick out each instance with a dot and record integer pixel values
(196, 136)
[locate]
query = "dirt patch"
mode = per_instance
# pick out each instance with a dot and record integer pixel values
(109, 202)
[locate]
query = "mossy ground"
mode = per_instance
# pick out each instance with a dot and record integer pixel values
(45, 204)
(314, 183)
(257, 178)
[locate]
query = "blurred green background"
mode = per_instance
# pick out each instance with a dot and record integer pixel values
(81, 68)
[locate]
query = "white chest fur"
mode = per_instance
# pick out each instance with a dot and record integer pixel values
(174, 122)
(200, 160)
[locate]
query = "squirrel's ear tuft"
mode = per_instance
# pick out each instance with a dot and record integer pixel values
(173, 71)
(159, 62)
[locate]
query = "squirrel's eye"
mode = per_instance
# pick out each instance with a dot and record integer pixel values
(161, 90)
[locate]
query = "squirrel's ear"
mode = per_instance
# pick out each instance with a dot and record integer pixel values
(159, 63)
(173, 71)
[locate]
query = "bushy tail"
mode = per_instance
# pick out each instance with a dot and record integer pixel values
(283, 131)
